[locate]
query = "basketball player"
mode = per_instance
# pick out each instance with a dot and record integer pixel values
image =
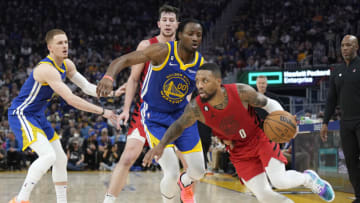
(170, 79)
(168, 23)
(27, 117)
(227, 109)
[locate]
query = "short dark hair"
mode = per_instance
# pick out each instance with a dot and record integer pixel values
(169, 9)
(184, 22)
(213, 67)
(51, 33)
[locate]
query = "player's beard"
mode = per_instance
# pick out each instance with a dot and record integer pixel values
(209, 97)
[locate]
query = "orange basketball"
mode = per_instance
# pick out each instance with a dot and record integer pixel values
(280, 126)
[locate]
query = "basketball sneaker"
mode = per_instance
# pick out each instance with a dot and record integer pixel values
(13, 200)
(320, 186)
(186, 193)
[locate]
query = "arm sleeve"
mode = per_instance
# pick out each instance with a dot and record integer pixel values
(272, 105)
(80, 81)
(331, 100)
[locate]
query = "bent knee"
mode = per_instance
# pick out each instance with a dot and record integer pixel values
(50, 158)
(127, 159)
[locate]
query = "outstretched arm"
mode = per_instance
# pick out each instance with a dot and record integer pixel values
(156, 53)
(253, 98)
(79, 80)
(45, 73)
(191, 114)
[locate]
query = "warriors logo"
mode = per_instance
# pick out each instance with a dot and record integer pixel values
(175, 88)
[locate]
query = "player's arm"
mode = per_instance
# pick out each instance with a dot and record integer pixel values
(251, 97)
(45, 73)
(331, 100)
(133, 80)
(156, 53)
(79, 80)
(191, 114)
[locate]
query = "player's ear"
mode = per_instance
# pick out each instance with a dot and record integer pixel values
(158, 24)
(219, 80)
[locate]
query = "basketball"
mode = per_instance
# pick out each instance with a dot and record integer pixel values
(280, 126)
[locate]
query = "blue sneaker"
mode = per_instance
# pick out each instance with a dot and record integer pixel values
(321, 187)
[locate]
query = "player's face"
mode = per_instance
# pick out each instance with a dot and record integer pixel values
(168, 24)
(349, 47)
(191, 36)
(261, 84)
(207, 84)
(59, 46)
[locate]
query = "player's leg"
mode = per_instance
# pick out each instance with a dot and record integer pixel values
(170, 166)
(169, 162)
(284, 179)
(46, 158)
(59, 172)
(261, 188)
(189, 144)
(134, 146)
(274, 162)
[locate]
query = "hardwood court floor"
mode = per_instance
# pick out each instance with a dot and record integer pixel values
(142, 187)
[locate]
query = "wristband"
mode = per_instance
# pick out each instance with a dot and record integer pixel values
(108, 77)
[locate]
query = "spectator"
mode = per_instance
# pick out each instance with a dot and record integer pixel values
(75, 157)
(13, 151)
(109, 158)
(90, 148)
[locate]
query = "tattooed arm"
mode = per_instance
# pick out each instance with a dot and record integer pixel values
(249, 96)
(191, 114)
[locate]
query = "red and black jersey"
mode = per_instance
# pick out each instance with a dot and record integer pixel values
(235, 122)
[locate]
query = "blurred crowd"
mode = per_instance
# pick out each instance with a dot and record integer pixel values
(287, 34)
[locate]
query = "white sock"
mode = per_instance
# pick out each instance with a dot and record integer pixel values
(26, 189)
(109, 198)
(186, 180)
(60, 193)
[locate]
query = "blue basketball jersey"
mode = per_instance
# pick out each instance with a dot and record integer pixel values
(34, 96)
(167, 85)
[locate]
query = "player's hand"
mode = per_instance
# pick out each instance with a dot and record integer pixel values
(229, 143)
(323, 132)
(124, 117)
(121, 90)
(104, 87)
(154, 153)
(114, 118)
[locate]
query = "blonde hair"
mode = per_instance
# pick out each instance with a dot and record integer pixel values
(51, 33)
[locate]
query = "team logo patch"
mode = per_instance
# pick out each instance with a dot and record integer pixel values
(229, 125)
(206, 108)
(175, 88)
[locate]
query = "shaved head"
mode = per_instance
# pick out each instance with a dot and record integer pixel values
(349, 47)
